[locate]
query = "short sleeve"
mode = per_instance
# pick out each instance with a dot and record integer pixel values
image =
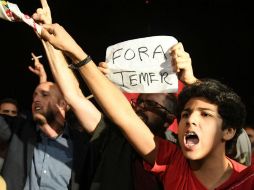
(167, 152)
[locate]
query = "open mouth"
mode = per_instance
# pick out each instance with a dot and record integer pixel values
(37, 108)
(191, 139)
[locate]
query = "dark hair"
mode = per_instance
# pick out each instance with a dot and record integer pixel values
(9, 100)
(171, 103)
(230, 106)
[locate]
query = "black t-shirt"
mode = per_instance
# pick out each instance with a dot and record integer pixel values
(116, 163)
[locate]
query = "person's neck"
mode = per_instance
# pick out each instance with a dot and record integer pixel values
(212, 171)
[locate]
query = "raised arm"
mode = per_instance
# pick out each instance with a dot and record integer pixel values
(88, 115)
(106, 93)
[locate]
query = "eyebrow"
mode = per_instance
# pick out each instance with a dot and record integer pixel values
(200, 109)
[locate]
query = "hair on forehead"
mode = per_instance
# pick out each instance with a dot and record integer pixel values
(9, 100)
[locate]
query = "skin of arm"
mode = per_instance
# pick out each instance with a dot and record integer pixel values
(88, 115)
(110, 98)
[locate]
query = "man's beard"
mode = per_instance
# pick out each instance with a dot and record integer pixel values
(157, 128)
(49, 116)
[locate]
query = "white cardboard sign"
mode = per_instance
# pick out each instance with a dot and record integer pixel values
(143, 65)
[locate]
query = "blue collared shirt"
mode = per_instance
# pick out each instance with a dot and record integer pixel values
(52, 163)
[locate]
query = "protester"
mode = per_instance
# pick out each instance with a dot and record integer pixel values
(118, 165)
(210, 117)
(9, 106)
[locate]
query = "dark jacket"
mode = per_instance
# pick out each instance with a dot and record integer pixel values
(20, 153)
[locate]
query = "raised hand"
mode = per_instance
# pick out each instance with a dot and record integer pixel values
(44, 126)
(38, 69)
(55, 33)
(43, 15)
(181, 62)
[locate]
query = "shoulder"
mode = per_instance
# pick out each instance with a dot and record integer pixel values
(242, 178)
(237, 166)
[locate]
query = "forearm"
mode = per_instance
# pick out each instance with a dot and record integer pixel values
(110, 98)
(116, 106)
(85, 111)
(43, 78)
(59, 69)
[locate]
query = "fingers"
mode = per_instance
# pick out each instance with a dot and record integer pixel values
(58, 37)
(50, 28)
(181, 63)
(33, 55)
(180, 58)
(41, 18)
(179, 46)
(37, 65)
(46, 33)
(40, 11)
(44, 4)
(177, 50)
(40, 118)
(43, 15)
(32, 69)
(54, 34)
(103, 67)
(35, 58)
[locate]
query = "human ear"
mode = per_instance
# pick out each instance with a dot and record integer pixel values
(228, 134)
(62, 104)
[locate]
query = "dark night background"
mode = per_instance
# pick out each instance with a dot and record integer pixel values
(218, 35)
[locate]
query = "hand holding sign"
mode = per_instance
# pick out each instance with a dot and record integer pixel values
(11, 12)
(182, 64)
(143, 65)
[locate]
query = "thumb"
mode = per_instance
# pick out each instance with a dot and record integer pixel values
(40, 119)
(104, 65)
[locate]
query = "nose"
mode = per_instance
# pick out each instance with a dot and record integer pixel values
(36, 98)
(192, 119)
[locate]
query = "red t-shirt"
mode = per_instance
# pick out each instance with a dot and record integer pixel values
(176, 174)
(131, 96)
